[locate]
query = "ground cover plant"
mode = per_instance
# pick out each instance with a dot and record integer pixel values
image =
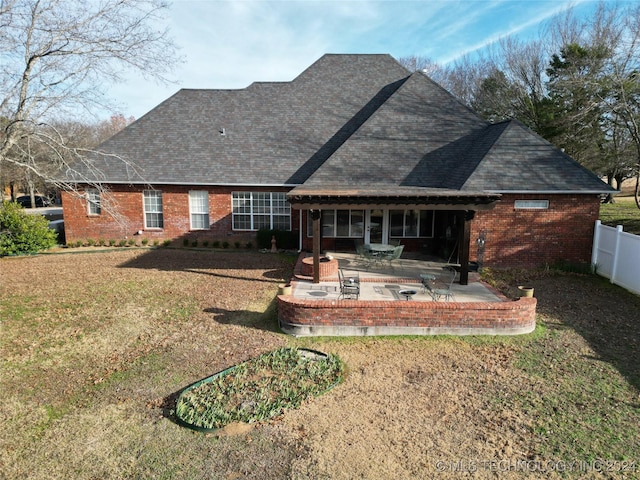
(259, 389)
(96, 347)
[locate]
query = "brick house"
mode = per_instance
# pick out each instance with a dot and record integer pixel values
(355, 148)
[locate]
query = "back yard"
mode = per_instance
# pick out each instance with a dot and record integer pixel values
(95, 347)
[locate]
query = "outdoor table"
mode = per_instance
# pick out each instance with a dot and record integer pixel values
(379, 250)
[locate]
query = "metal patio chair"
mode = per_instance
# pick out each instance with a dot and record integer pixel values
(349, 286)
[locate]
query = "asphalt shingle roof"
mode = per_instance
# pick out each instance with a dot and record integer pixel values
(348, 120)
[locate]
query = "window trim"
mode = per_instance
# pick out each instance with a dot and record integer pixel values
(157, 193)
(192, 212)
(253, 205)
(531, 205)
(93, 202)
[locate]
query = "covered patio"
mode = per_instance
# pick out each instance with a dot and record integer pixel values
(317, 308)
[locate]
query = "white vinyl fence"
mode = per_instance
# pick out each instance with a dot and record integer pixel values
(616, 256)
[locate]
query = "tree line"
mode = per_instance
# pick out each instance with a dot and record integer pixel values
(577, 85)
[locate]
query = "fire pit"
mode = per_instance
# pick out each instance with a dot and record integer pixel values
(407, 294)
(328, 267)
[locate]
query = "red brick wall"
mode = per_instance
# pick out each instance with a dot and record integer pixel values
(532, 238)
(462, 317)
(79, 225)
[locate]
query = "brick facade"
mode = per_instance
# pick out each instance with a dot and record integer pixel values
(80, 226)
(514, 237)
(534, 238)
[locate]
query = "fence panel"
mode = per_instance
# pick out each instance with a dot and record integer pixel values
(616, 256)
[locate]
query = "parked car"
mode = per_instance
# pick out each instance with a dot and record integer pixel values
(25, 201)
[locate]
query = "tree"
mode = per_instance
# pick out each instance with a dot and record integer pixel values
(57, 56)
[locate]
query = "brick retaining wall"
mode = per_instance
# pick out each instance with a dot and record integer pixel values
(303, 317)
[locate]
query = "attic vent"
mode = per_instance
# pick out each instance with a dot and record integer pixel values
(223, 132)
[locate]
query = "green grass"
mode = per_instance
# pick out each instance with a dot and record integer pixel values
(624, 212)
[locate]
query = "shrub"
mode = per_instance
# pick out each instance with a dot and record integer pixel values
(79, 243)
(216, 244)
(185, 242)
(166, 243)
(102, 242)
(205, 243)
(145, 241)
(225, 244)
(131, 242)
(236, 244)
(122, 243)
(91, 242)
(21, 232)
(194, 243)
(112, 242)
(249, 245)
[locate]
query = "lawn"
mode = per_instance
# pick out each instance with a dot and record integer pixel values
(624, 212)
(96, 347)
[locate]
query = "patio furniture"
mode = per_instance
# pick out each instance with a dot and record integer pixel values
(393, 255)
(364, 256)
(379, 251)
(441, 287)
(349, 286)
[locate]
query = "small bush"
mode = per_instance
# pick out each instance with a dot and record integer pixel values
(205, 243)
(23, 233)
(79, 243)
(145, 241)
(91, 242)
(185, 242)
(216, 244)
(194, 243)
(112, 242)
(102, 242)
(166, 243)
(249, 245)
(225, 244)
(122, 243)
(131, 242)
(236, 244)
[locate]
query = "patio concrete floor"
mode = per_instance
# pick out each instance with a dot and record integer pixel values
(380, 282)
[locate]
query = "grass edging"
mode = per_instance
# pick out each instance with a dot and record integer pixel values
(262, 388)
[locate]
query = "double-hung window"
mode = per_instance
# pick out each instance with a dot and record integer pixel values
(340, 223)
(153, 217)
(256, 210)
(199, 209)
(93, 201)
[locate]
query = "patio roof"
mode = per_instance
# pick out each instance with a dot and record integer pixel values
(305, 197)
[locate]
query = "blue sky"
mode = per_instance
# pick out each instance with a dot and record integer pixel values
(231, 43)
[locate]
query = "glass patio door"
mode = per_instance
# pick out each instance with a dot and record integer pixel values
(376, 226)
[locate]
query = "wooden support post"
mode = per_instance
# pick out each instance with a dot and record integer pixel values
(464, 237)
(315, 216)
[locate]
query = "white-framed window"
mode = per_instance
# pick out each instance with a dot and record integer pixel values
(153, 217)
(411, 223)
(199, 209)
(339, 224)
(256, 210)
(531, 204)
(93, 201)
